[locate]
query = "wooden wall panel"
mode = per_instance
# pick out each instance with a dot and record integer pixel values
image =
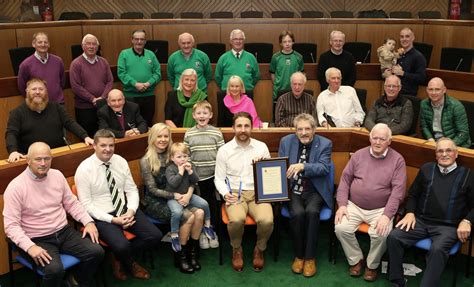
(60, 39)
(115, 37)
(202, 33)
(6, 105)
(8, 37)
(265, 33)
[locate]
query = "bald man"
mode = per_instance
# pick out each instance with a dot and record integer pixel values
(411, 65)
(121, 117)
(189, 57)
(36, 203)
(443, 116)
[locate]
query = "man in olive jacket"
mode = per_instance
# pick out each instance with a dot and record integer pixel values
(443, 116)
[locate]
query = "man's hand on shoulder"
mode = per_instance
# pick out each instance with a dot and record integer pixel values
(91, 229)
(15, 156)
(39, 255)
(408, 222)
(88, 141)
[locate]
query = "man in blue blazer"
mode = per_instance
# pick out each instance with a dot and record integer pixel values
(121, 117)
(310, 158)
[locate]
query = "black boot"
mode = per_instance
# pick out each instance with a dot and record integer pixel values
(181, 261)
(193, 254)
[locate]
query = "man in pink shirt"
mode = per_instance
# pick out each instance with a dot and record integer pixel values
(36, 203)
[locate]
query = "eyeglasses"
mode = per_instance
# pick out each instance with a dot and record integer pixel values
(443, 151)
(139, 39)
(238, 39)
(392, 86)
(378, 139)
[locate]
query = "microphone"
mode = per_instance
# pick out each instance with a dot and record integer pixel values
(459, 64)
(366, 56)
(256, 56)
(132, 127)
(67, 143)
(312, 57)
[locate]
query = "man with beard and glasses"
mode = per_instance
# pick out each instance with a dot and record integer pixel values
(37, 119)
(310, 158)
(234, 181)
(440, 206)
(371, 188)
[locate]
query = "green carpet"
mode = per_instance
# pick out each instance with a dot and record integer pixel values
(275, 273)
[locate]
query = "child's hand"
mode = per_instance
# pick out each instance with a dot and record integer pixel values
(188, 167)
(181, 169)
(400, 51)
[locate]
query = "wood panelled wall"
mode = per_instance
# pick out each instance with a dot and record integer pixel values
(11, 8)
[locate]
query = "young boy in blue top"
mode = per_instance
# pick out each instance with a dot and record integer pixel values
(203, 141)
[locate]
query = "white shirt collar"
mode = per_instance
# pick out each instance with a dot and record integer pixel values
(42, 60)
(93, 61)
(450, 168)
(378, 156)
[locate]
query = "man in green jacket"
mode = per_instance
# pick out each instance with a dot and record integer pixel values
(443, 116)
(140, 72)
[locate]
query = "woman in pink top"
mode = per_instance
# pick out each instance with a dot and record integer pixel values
(237, 101)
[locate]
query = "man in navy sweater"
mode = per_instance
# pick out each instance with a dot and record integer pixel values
(440, 206)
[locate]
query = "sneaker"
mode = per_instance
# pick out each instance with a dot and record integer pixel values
(214, 243)
(209, 232)
(175, 244)
(203, 241)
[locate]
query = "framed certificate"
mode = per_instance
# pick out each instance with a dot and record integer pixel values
(271, 184)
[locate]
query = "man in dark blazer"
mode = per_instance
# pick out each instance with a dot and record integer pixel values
(310, 158)
(121, 117)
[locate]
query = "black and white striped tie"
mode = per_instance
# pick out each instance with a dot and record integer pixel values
(117, 201)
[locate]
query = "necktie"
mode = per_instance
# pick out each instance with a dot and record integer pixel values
(298, 183)
(237, 55)
(445, 171)
(117, 201)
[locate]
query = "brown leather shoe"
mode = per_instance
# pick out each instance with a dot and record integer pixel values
(355, 270)
(297, 266)
(309, 268)
(237, 259)
(117, 269)
(258, 260)
(139, 272)
(370, 274)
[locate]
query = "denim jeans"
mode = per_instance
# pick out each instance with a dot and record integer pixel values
(177, 210)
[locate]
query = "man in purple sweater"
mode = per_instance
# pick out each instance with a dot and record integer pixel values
(45, 66)
(372, 186)
(91, 81)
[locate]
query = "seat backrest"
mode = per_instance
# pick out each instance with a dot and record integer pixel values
(161, 15)
(360, 50)
(17, 55)
(307, 50)
(251, 14)
(362, 96)
(415, 101)
(400, 14)
(283, 14)
(342, 14)
(160, 48)
(73, 16)
(424, 48)
(213, 50)
(102, 15)
(429, 15)
(222, 15)
(262, 51)
(131, 15)
(312, 14)
(192, 15)
(469, 106)
(456, 59)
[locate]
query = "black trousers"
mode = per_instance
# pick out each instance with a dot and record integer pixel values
(443, 237)
(304, 211)
(69, 241)
(87, 118)
(148, 235)
(147, 107)
(208, 192)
